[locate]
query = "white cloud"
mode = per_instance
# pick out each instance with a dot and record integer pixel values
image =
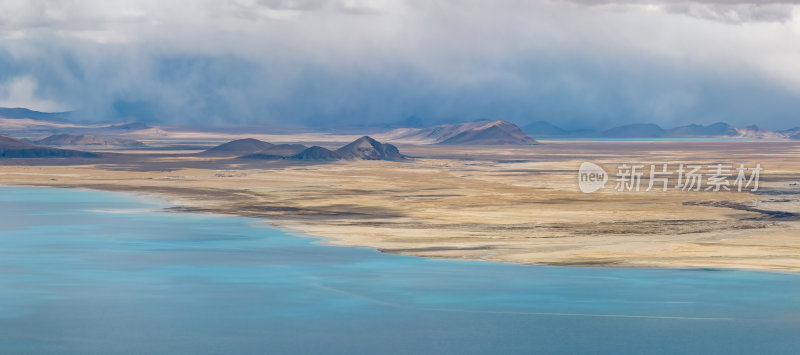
(20, 91)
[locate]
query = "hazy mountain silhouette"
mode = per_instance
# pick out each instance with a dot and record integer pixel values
(14, 148)
(19, 112)
(482, 132)
(543, 129)
(636, 130)
(719, 129)
(649, 130)
(792, 133)
(238, 147)
(130, 126)
(83, 139)
(756, 132)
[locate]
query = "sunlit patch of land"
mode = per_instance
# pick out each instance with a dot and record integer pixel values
(517, 204)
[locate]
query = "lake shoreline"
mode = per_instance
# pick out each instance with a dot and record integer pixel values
(176, 199)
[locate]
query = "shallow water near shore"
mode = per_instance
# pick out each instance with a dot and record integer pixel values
(96, 272)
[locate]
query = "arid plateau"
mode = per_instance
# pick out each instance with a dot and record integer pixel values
(518, 204)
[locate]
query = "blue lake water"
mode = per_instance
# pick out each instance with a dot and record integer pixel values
(93, 272)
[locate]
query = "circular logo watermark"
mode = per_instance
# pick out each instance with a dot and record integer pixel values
(591, 177)
(686, 177)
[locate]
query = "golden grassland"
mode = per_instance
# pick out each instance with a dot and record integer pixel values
(509, 204)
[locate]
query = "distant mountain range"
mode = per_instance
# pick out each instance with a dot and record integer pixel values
(18, 112)
(23, 122)
(85, 140)
(792, 133)
(546, 129)
(542, 129)
(483, 132)
(14, 148)
(364, 148)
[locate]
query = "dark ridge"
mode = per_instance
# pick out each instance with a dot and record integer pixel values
(278, 151)
(262, 156)
(317, 153)
(367, 148)
(284, 150)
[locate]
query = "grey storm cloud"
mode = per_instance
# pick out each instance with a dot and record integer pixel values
(328, 62)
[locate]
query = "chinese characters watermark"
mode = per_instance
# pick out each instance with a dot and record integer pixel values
(684, 177)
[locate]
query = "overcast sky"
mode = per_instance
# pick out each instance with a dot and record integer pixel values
(321, 63)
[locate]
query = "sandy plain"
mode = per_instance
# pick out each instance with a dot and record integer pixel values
(516, 204)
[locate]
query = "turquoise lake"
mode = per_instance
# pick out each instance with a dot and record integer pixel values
(89, 272)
